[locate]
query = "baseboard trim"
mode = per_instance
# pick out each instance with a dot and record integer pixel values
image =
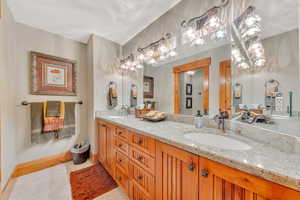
(40, 164)
(93, 157)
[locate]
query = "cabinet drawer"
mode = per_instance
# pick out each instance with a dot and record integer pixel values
(122, 146)
(142, 159)
(122, 133)
(122, 180)
(143, 179)
(137, 194)
(122, 161)
(143, 143)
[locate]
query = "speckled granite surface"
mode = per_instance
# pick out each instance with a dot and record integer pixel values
(261, 160)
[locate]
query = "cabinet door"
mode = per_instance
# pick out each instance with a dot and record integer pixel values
(110, 150)
(219, 182)
(102, 156)
(176, 174)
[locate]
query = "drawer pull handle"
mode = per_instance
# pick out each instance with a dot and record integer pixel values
(120, 160)
(120, 145)
(191, 167)
(204, 173)
(139, 178)
(140, 142)
(140, 158)
(120, 178)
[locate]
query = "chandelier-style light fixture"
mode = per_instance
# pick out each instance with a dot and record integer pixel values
(131, 63)
(212, 25)
(159, 50)
(247, 32)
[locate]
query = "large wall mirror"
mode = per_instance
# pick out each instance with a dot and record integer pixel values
(265, 59)
(199, 79)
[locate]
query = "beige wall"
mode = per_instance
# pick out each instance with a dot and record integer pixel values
(8, 91)
(31, 39)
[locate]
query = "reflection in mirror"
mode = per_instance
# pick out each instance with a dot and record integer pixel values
(210, 87)
(265, 58)
(133, 95)
(112, 95)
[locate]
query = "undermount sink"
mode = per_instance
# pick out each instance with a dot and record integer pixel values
(218, 141)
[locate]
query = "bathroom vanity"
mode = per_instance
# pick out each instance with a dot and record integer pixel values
(159, 161)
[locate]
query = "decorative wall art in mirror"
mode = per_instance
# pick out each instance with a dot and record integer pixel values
(112, 95)
(189, 88)
(52, 75)
(265, 65)
(148, 87)
(133, 95)
(189, 103)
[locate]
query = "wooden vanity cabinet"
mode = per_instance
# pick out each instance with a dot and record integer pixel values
(106, 150)
(147, 169)
(176, 174)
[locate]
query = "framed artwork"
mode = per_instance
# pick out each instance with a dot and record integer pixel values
(189, 103)
(148, 87)
(52, 75)
(189, 89)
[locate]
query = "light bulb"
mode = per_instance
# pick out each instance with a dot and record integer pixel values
(163, 49)
(139, 66)
(128, 63)
(199, 41)
(220, 34)
(141, 57)
(152, 61)
(260, 62)
(244, 65)
(251, 20)
(123, 66)
(173, 53)
(132, 68)
(150, 53)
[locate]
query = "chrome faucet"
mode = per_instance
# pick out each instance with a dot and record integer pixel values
(125, 110)
(220, 119)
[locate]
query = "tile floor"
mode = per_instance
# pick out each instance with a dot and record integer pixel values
(52, 184)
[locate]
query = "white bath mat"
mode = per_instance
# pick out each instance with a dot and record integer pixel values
(48, 184)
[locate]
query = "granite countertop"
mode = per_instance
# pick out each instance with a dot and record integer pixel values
(261, 160)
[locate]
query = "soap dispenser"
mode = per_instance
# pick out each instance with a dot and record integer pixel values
(198, 120)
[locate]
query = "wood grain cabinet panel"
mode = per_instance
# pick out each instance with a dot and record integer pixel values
(136, 193)
(143, 143)
(102, 129)
(122, 180)
(143, 180)
(122, 133)
(122, 146)
(219, 182)
(176, 174)
(142, 159)
(110, 151)
(122, 162)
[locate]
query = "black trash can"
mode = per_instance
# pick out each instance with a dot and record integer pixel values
(80, 152)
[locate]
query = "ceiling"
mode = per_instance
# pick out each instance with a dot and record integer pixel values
(116, 20)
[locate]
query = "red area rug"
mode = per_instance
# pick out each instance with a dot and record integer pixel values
(91, 182)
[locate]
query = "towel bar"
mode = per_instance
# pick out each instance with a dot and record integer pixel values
(26, 103)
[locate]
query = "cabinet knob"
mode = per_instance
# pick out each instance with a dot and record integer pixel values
(140, 142)
(191, 167)
(139, 178)
(140, 158)
(120, 160)
(120, 145)
(204, 173)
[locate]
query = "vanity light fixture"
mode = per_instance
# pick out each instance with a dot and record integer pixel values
(130, 63)
(159, 50)
(247, 30)
(212, 25)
